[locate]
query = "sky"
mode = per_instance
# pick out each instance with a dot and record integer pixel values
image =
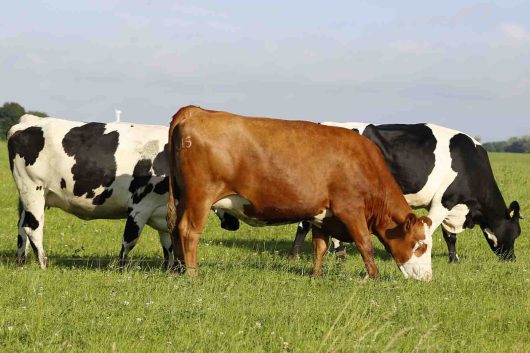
(460, 64)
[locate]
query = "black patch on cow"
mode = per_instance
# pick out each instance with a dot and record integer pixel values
(161, 162)
(408, 151)
(30, 221)
(20, 241)
(101, 198)
(141, 175)
(93, 151)
(131, 230)
(229, 222)
(27, 144)
(162, 187)
(63, 183)
(474, 184)
(139, 197)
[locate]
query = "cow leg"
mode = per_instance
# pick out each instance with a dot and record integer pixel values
(320, 246)
(358, 231)
(450, 239)
(190, 227)
(339, 249)
(167, 248)
(301, 233)
(22, 238)
(133, 229)
(32, 225)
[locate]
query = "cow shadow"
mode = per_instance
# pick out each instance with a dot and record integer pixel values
(110, 263)
(283, 247)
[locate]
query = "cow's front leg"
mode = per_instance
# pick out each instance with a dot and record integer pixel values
(358, 231)
(301, 232)
(450, 239)
(320, 246)
(133, 228)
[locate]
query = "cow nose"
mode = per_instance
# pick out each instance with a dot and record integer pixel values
(427, 277)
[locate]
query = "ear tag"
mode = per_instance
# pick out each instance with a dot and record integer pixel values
(512, 213)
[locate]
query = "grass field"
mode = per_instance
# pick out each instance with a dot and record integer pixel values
(250, 298)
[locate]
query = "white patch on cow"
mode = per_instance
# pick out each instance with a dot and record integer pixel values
(491, 236)
(419, 267)
(442, 175)
(455, 219)
(350, 125)
(235, 205)
(319, 218)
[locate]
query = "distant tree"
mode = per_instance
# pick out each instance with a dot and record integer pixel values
(513, 144)
(10, 114)
(37, 113)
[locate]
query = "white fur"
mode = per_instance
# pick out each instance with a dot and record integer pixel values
(491, 236)
(419, 268)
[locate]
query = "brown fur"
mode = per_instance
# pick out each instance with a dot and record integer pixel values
(289, 171)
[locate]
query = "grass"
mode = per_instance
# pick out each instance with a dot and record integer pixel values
(250, 298)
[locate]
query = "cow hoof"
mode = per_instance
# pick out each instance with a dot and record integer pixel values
(192, 272)
(21, 260)
(294, 257)
(454, 259)
(341, 254)
(43, 263)
(178, 268)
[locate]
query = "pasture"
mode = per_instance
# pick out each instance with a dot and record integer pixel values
(250, 298)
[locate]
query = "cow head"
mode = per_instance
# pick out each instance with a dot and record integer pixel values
(411, 244)
(501, 236)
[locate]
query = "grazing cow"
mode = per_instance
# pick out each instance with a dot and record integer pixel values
(91, 170)
(269, 171)
(448, 173)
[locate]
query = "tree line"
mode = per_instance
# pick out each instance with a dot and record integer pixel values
(10, 114)
(513, 144)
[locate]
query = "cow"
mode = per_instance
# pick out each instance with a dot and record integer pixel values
(93, 171)
(269, 171)
(448, 173)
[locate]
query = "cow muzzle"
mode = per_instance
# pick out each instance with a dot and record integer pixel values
(418, 267)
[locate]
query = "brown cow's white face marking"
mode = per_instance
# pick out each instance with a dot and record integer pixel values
(419, 267)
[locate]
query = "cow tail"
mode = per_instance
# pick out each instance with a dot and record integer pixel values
(174, 193)
(173, 197)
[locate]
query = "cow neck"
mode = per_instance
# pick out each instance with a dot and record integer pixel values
(391, 219)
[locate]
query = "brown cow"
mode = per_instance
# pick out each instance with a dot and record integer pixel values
(269, 171)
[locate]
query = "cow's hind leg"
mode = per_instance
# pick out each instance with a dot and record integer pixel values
(133, 228)
(320, 246)
(191, 223)
(301, 232)
(450, 239)
(31, 224)
(167, 248)
(22, 237)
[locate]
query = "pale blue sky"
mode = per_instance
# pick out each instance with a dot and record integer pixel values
(462, 64)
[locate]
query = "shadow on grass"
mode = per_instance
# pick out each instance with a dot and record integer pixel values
(95, 263)
(283, 247)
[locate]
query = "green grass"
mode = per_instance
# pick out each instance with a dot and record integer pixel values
(249, 298)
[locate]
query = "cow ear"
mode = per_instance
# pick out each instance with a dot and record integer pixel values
(514, 211)
(409, 222)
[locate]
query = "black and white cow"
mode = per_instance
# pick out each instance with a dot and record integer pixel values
(94, 171)
(448, 173)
